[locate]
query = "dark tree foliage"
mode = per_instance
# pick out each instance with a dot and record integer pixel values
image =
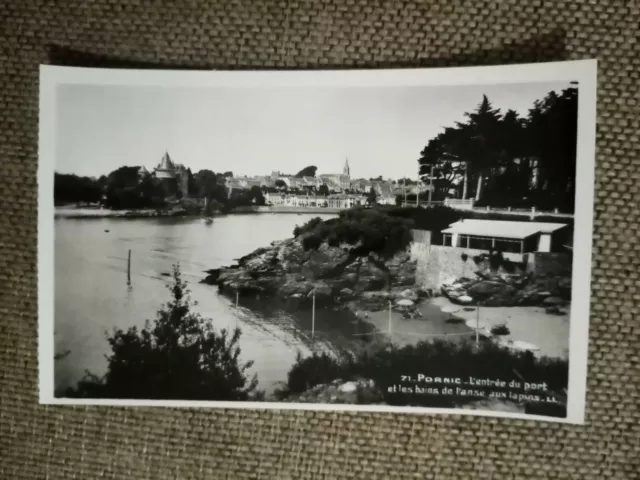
(371, 230)
(255, 193)
(307, 227)
(210, 185)
(372, 197)
(69, 188)
(505, 160)
(192, 184)
(433, 359)
(281, 184)
(434, 219)
(125, 190)
(323, 190)
(407, 181)
(177, 356)
(241, 198)
(309, 171)
(306, 373)
(121, 189)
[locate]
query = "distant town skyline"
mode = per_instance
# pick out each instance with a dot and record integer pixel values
(380, 130)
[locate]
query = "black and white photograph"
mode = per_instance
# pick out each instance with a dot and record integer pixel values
(383, 240)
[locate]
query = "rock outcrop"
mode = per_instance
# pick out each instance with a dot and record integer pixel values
(507, 290)
(335, 274)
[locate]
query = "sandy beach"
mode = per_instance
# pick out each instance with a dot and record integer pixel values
(550, 333)
(433, 324)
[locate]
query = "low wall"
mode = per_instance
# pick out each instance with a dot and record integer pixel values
(459, 204)
(437, 264)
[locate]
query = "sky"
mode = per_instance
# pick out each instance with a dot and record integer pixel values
(381, 130)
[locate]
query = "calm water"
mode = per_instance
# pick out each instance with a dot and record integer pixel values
(92, 297)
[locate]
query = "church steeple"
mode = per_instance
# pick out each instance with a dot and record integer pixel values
(346, 170)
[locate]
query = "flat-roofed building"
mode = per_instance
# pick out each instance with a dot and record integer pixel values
(505, 236)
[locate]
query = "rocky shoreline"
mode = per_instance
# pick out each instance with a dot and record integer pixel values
(336, 275)
(493, 289)
(131, 214)
(343, 277)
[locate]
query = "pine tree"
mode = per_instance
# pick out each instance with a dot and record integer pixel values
(177, 356)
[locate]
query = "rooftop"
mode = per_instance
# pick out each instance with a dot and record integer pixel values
(501, 228)
(166, 163)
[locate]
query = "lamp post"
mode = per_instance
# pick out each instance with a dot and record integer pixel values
(313, 314)
(430, 186)
(404, 181)
(477, 326)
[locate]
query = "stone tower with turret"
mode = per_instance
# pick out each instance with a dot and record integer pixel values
(173, 177)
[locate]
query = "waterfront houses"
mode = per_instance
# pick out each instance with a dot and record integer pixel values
(331, 190)
(341, 201)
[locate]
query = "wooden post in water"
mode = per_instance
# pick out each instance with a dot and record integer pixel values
(313, 314)
(129, 268)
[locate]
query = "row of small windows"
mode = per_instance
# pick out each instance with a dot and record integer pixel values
(486, 243)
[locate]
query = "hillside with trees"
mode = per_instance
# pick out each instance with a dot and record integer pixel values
(502, 159)
(309, 171)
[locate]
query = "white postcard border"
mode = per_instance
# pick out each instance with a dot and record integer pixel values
(582, 71)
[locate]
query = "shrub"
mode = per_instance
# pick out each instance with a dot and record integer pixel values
(440, 358)
(372, 230)
(178, 356)
(508, 266)
(496, 260)
(500, 330)
(312, 241)
(434, 219)
(307, 227)
(457, 360)
(306, 373)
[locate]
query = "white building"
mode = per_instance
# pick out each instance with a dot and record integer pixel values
(274, 198)
(319, 201)
(505, 236)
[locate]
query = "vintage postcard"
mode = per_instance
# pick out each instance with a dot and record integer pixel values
(386, 240)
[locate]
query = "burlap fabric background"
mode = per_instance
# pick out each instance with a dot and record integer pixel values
(83, 443)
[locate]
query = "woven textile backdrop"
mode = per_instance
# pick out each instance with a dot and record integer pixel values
(83, 443)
